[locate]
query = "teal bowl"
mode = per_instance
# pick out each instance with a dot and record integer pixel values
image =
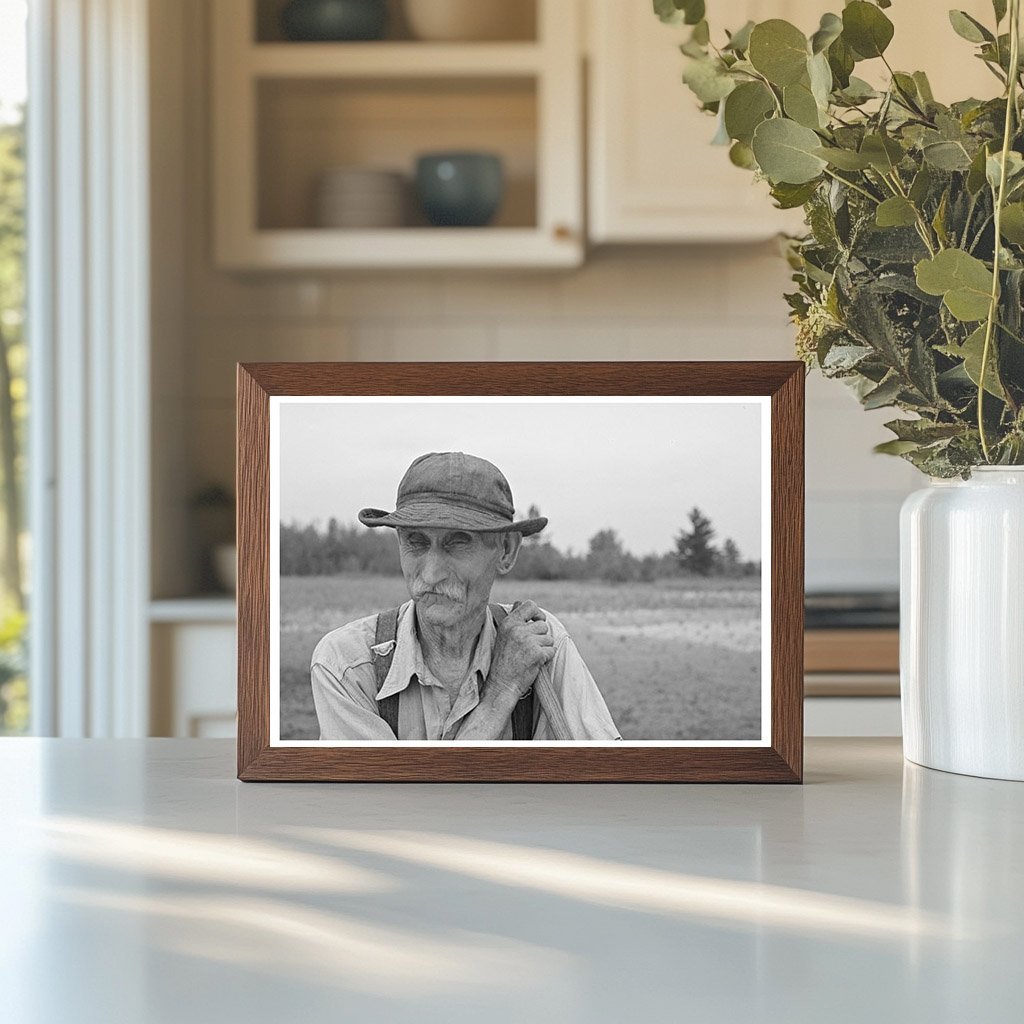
(462, 190)
(334, 21)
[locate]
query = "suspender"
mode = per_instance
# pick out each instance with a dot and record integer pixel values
(387, 708)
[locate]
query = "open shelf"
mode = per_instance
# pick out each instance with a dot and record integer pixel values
(308, 127)
(519, 17)
(393, 60)
(287, 113)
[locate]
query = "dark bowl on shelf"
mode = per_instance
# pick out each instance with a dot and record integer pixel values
(332, 21)
(461, 190)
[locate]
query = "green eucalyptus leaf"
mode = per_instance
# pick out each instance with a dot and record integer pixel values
(883, 153)
(906, 87)
(971, 352)
(668, 11)
(994, 167)
(884, 395)
(829, 30)
(923, 431)
(924, 88)
(742, 155)
(800, 105)
(976, 174)
(1012, 223)
(707, 80)
(844, 159)
(676, 12)
(866, 29)
(820, 76)
(789, 197)
(946, 156)
(745, 108)
(895, 212)
(694, 11)
(739, 41)
(784, 151)
(895, 447)
(963, 281)
(841, 60)
(778, 50)
(921, 185)
(969, 28)
(967, 304)
(858, 91)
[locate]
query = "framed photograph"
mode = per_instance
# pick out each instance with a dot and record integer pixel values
(519, 572)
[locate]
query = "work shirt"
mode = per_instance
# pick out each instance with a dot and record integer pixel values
(345, 686)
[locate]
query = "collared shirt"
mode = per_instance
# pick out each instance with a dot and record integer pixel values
(345, 686)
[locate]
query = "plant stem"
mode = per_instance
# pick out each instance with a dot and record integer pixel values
(922, 225)
(855, 187)
(993, 309)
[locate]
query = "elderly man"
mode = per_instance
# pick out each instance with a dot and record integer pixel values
(447, 664)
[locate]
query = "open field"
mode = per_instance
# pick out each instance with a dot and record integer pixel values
(675, 659)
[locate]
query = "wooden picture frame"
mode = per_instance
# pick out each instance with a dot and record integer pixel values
(779, 755)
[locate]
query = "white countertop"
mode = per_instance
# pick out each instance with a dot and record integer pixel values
(143, 884)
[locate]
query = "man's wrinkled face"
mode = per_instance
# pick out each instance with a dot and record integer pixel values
(450, 573)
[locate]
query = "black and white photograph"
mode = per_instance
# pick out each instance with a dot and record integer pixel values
(566, 570)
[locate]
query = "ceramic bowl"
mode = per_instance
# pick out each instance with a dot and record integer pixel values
(334, 20)
(460, 189)
(360, 197)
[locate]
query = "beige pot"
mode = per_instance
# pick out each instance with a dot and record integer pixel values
(471, 20)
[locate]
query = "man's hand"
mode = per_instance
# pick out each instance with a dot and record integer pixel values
(523, 645)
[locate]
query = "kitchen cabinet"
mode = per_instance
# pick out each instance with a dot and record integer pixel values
(653, 175)
(286, 113)
(193, 673)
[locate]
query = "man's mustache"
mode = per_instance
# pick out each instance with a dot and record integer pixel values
(450, 592)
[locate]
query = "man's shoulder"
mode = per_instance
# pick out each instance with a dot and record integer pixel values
(347, 646)
(558, 631)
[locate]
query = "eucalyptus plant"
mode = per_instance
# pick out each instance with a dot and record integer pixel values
(910, 278)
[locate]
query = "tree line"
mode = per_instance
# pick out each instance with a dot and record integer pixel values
(307, 550)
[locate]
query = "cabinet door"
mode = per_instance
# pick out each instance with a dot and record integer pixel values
(653, 174)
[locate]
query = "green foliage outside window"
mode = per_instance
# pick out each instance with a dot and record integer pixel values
(13, 415)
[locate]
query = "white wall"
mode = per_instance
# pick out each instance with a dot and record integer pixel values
(719, 302)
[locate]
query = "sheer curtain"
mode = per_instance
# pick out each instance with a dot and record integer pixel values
(88, 302)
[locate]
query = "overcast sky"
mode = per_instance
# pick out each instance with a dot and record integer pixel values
(636, 467)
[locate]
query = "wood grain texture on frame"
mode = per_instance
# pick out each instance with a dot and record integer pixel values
(782, 761)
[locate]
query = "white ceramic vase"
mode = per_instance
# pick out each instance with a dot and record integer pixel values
(962, 624)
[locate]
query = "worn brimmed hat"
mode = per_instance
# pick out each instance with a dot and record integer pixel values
(455, 491)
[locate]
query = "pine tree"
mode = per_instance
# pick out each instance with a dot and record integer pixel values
(731, 564)
(694, 551)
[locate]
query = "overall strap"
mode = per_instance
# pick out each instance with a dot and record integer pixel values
(387, 630)
(522, 713)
